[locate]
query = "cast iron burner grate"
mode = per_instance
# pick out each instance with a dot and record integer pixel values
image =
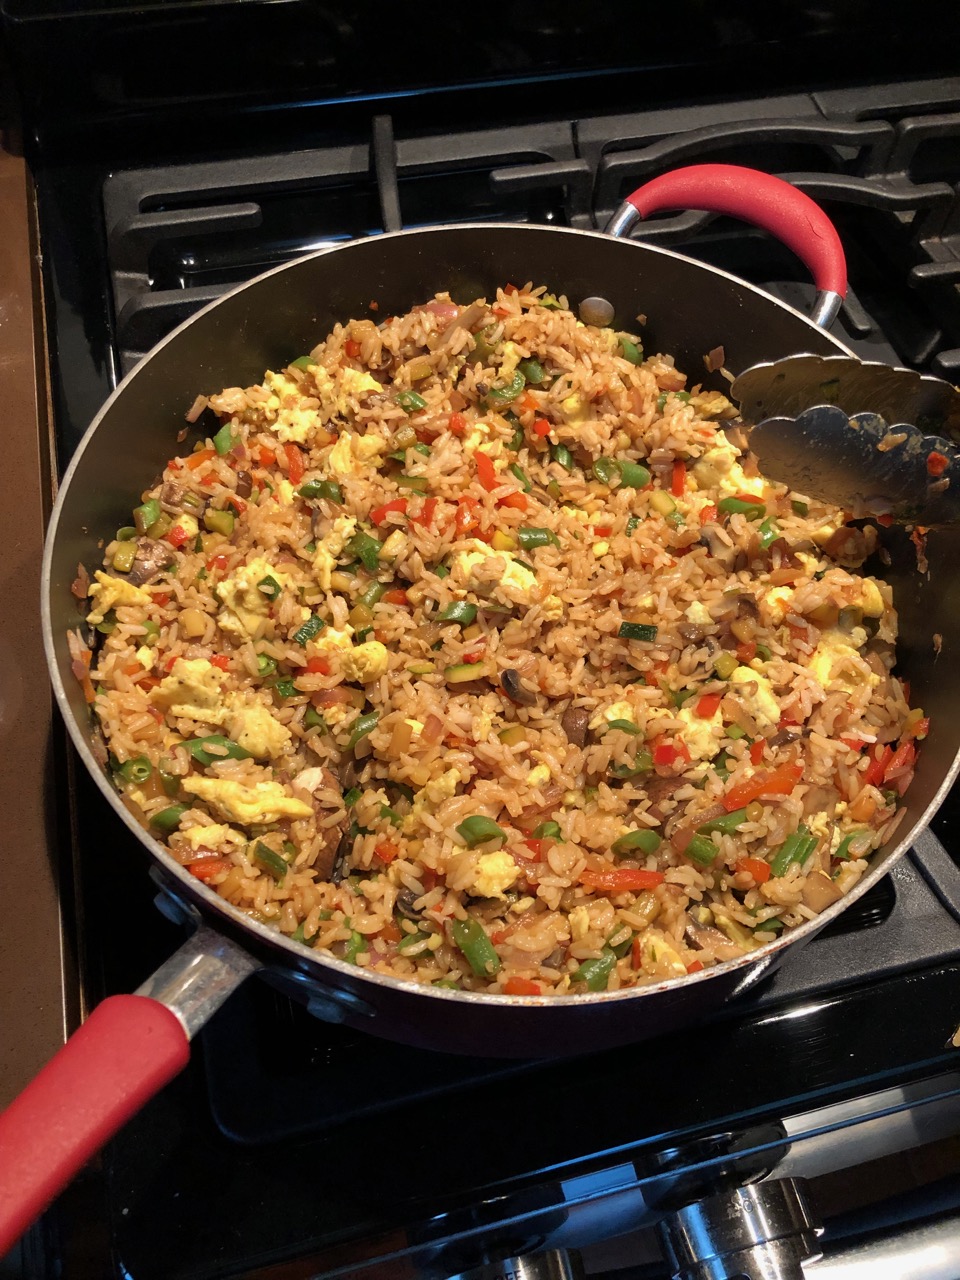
(180, 236)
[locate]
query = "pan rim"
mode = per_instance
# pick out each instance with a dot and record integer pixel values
(756, 963)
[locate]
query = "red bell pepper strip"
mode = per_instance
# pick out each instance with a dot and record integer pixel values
(427, 512)
(873, 774)
(207, 868)
(708, 514)
(198, 459)
(458, 424)
(396, 595)
(318, 667)
(177, 536)
(756, 751)
(779, 782)
(220, 660)
(386, 850)
(379, 514)
(521, 987)
(709, 705)
(486, 471)
(518, 500)
(679, 478)
(294, 463)
(756, 867)
(621, 879)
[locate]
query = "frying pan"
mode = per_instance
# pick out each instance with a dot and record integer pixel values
(132, 1045)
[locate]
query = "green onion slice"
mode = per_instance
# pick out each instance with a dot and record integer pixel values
(478, 829)
(271, 862)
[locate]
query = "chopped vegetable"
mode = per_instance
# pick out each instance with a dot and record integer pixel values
(701, 849)
(137, 770)
(645, 841)
(124, 557)
(419, 484)
(606, 470)
(532, 371)
(547, 831)
(530, 537)
(361, 727)
(508, 392)
(795, 849)
(269, 587)
(328, 489)
(637, 631)
(633, 475)
(624, 726)
(223, 749)
(560, 453)
(478, 829)
(630, 351)
(312, 719)
(741, 506)
(799, 508)
(223, 440)
(285, 688)
(459, 611)
(271, 862)
(219, 521)
(469, 935)
(768, 532)
(621, 879)
(596, 973)
(303, 362)
(366, 549)
(780, 782)
(312, 627)
(167, 820)
(410, 402)
(462, 672)
(146, 515)
(521, 475)
(727, 824)
(842, 850)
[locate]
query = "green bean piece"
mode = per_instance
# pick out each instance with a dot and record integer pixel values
(136, 770)
(302, 362)
(560, 453)
(547, 831)
(606, 470)
(361, 727)
(532, 371)
(727, 824)
(768, 532)
(167, 820)
(312, 627)
(442, 571)
(410, 940)
(146, 515)
(637, 631)
(737, 506)
(504, 394)
(624, 726)
(633, 475)
(702, 850)
(799, 508)
(469, 935)
(644, 841)
(285, 688)
(328, 489)
(516, 470)
(460, 611)
(223, 440)
(126, 533)
(271, 862)
(169, 781)
(410, 402)
(124, 557)
(269, 587)
(219, 521)
(419, 484)
(366, 549)
(530, 537)
(355, 945)
(391, 815)
(518, 438)
(764, 652)
(223, 749)
(478, 829)
(596, 973)
(312, 719)
(791, 851)
(662, 398)
(642, 763)
(266, 666)
(630, 351)
(483, 348)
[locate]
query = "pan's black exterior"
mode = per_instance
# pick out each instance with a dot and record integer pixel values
(689, 309)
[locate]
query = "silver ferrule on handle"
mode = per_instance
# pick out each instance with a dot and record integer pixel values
(196, 980)
(826, 308)
(623, 221)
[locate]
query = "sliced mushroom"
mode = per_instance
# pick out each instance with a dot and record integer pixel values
(515, 690)
(244, 484)
(574, 723)
(405, 900)
(820, 891)
(171, 496)
(151, 559)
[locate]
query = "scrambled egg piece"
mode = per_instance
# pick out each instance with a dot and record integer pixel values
(512, 355)
(600, 549)
(836, 664)
(702, 736)
(514, 574)
(192, 689)
(263, 802)
(657, 953)
(493, 874)
(394, 546)
(352, 452)
(762, 704)
(441, 788)
(110, 592)
(245, 607)
(776, 602)
(579, 920)
(292, 425)
(574, 409)
(538, 775)
(872, 600)
(713, 466)
(698, 614)
(213, 836)
(478, 434)
(252, 727)
(552, 608)
(365, 662)
(330, 641)
(615, 711)
(146, 656)
(355, 384)
(325, 558)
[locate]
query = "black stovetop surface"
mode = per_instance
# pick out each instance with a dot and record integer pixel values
(291, 1147)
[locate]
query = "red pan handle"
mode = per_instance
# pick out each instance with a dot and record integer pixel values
(124, 1053)
(761, 199)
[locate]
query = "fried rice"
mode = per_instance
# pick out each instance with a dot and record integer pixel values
(473, 649)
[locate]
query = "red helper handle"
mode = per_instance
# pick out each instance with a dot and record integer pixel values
(125, 1052)
(756, 197)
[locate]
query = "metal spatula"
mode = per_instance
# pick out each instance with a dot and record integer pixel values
(866, 437)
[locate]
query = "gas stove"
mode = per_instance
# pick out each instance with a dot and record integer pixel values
(295, 1147)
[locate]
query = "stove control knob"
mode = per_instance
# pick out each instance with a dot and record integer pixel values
(761, 1232)
(555, 1264)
